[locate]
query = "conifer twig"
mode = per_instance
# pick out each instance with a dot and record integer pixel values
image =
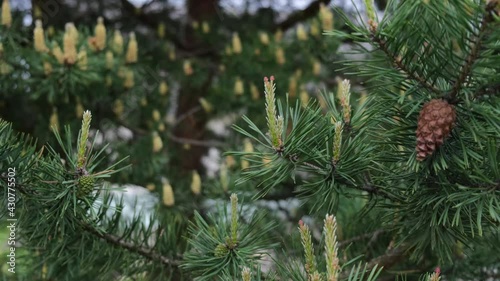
(118, 242)
(21, 187)
(399, 64)
(473, 55)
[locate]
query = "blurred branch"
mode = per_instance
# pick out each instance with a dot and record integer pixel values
(151, 21)
(387, 260)
(373, 236)
(118, 242)
(149, 3)
(195, 142)
(186, 115)
(174, 138)
(299, 16)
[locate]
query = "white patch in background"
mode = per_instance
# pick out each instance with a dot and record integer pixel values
(211, 161)
(97, 138)
(137, 202)
(124, 133)
(218, 127)
(221, 126)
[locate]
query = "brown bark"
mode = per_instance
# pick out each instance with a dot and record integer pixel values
(193, 127)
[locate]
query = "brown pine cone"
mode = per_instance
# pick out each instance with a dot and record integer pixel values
(434, 125)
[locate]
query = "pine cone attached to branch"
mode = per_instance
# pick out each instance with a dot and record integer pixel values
(434, 125)
(85, 185)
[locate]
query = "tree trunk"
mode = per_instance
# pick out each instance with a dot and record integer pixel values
(193, 128)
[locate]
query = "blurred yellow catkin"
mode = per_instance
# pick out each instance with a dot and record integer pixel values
(171, 54)
(79, 109)
(151, 186)
(314, 29)
(223, 177)
(301, 32)
(205, 27)
(39, 37)
(73, 32)
(280, 56)
(247, 148)
(264, 38)
(278, 35)
(117, 45)
(58, 53)
(156, 115)
(168, 195)
(237, 48)
(54, 120)
(100, 34)
(188, 69)
(118, 108)
(69, 44)
(6, 14)
(326, 16)
(230, 162)
(109, 60)
(196, 183)
(47, 68)
(254, 91)
(207, 107)
(304, 97)
(238, 87)
(129, 79)
(316, 67)
(82, 59)
(163, 88)
(161, 30)
(131, 56)
(157, 142)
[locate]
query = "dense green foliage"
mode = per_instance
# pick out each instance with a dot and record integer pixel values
(298, 153)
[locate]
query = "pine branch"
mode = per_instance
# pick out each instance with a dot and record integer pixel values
(143, 251)
(21, 187)
(473, 55)
(117, 241)
(294, 158)
(396, 61)
(369, 187)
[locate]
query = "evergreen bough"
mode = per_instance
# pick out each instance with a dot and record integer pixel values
(355, 160)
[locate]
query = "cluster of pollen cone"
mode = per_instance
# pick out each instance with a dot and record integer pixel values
(434, 125)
